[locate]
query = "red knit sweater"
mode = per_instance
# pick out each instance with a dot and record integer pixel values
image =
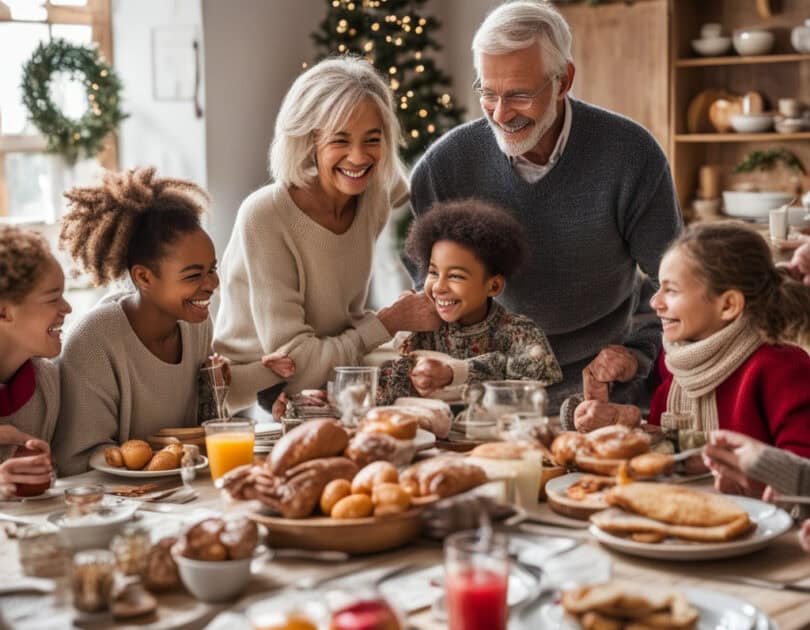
(767, 397)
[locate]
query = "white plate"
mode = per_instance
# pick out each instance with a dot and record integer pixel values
(718, 611)
(770, 520)
(97, 461)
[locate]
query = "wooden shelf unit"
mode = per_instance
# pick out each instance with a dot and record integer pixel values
(781, 74)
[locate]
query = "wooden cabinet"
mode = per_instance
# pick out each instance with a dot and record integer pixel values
(781, 74)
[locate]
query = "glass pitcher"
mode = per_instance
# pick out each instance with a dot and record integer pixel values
(493, 399)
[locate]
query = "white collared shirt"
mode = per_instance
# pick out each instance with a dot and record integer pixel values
(532, 172)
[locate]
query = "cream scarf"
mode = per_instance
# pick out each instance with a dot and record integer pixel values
(698, 368)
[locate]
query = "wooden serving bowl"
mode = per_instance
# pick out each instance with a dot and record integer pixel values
(353, 535)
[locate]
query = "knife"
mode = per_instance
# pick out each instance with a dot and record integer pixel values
(764, 583)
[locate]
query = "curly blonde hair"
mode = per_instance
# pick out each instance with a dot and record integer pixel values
(129, 219)
(23, 254)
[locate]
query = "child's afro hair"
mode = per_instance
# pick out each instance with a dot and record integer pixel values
(490, 232)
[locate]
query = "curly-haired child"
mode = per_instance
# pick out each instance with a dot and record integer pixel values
(32, 311)
(468, 249)
(131, 366)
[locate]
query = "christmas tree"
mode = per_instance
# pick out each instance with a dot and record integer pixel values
(396, 38)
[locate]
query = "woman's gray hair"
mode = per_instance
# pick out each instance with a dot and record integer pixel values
(517, 25)
(322, 100)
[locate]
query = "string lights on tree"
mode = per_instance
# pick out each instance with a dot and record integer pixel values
(396, 37)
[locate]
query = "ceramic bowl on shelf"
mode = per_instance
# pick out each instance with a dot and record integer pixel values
(751, 123)
(711, 46)
(753, 206)
(789, 125)
(753, 42)
(800, 37)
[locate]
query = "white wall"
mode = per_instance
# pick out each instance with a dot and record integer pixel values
(254, 50)
(166, 134)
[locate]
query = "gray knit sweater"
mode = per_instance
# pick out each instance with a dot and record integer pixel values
(786, 472)
(607, 207)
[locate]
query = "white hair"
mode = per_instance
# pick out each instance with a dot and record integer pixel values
(519, 24)
(321, 101)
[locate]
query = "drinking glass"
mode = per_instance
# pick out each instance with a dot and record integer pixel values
(229, 444)
(355, 392)
(216, 371)
(476, 577)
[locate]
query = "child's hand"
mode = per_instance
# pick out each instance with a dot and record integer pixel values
(804, 535)
(280, 363)
(279, 407)
(428, 375)
(613, 363)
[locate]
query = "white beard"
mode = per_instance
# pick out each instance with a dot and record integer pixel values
(514, 148)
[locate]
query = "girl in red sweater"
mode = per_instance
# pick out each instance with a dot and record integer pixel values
(727, 314)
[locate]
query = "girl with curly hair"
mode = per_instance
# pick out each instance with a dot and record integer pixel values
(729, 318)
(468, 249)
(131, 366)
(32, 311)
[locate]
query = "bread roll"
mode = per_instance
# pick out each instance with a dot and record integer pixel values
(617, 442)
(334, 491)
(162, 460)
(161, 569)
(177, 450)
(240, 537)
(299, 491)
(434, 415)
(500, 450)
(372, 475)
(201, 541)
(397, 422)
(310, 440)
(136, 454)
(113, 457)
(353, 506)
(565, 447)
(442, 476)
(389, 498)
(365, 448)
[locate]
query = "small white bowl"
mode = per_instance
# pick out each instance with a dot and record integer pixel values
(213, 581)
(753, 205)
(711, 46)
(789, 125)
(753, 42)
(751, 123)
(94, 531)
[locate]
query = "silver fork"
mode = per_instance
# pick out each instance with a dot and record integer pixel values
(181, 495)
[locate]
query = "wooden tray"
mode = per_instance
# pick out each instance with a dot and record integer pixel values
(355, 536)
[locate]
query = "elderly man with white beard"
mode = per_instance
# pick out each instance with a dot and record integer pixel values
(592, 190)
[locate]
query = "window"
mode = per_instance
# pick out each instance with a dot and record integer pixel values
(32, 181)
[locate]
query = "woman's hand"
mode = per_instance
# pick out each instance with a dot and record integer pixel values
(412, 312)
(613, 363)
(729, 455)
(30, 469)
(428, 375)
(281, 364)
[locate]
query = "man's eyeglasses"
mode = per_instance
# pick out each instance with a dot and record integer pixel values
(519, 100)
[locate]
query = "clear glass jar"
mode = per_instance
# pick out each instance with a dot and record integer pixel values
(40, 551)
(83, 500)
(92, 579)
(131, 549)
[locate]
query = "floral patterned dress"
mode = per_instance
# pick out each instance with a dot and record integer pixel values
(501, 346)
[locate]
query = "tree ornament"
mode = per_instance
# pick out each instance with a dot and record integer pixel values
(68, 136)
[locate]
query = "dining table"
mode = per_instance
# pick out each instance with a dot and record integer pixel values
(783, 560)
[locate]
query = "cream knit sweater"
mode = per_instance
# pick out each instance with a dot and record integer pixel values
(114, 389)
(37, 417)
(290, 284)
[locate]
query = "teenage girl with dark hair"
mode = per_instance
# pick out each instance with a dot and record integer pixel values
(130, 367)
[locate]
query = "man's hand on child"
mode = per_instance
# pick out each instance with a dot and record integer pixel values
(280, 363)
(613, 363)
(428, 375)
(411, 311)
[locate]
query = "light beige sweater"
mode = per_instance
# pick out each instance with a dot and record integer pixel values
(290, 284)
(37, 417)
(114, 389)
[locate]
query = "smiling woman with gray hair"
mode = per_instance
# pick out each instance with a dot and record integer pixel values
(296, 271)
(591, 189)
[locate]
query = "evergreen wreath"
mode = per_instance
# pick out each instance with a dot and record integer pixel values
(66, 135)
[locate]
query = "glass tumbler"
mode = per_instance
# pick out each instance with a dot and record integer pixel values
(355, 392)
(229, 444)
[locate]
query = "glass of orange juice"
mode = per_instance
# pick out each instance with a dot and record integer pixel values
(229, 444)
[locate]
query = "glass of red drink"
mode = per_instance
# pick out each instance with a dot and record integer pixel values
(476, 575)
